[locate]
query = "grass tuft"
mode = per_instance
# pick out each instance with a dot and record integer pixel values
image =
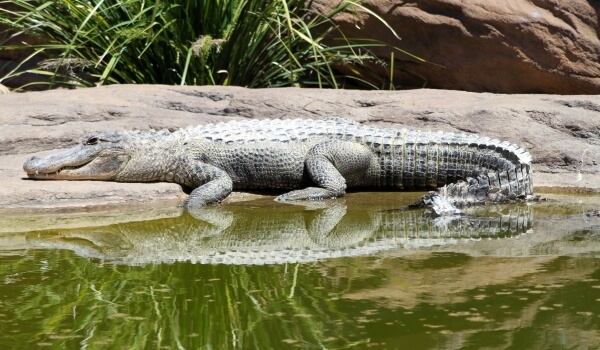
(226, 42)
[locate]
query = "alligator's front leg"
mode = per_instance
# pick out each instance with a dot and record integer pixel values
(329, 164)
(211, 185)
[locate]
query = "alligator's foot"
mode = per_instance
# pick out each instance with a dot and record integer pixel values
(439, 203)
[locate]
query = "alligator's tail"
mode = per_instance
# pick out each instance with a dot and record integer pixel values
(511, 183)
(497, 187)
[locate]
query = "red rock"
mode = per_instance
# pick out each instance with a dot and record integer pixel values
(510, 46)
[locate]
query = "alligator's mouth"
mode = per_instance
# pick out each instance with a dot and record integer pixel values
(65, 171)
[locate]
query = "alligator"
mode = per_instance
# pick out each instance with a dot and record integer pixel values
(315, 159)
(264, 235)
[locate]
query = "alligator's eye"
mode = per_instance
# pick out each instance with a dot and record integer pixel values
(91, 141)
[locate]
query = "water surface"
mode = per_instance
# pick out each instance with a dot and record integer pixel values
(350, 274)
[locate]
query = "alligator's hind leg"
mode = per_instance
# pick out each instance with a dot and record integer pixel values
(330, 164)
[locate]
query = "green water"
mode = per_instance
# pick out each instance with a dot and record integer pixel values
(355, 274)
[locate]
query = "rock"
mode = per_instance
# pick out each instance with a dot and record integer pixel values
(514, 46)
(561, 132)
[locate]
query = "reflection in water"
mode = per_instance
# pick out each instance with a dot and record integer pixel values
(285, 235)
(504, 285)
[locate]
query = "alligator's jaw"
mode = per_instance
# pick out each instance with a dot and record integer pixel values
(77, 163)
(64, 173)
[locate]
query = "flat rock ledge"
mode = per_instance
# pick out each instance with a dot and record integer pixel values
(561, 132)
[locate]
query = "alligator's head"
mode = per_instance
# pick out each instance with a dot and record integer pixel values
(98, 157)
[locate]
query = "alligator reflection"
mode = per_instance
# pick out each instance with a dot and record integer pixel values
(278, 234)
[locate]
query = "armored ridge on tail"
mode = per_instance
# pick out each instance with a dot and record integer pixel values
(316, 159)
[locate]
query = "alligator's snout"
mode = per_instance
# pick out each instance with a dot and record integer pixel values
(53, 165)
(30, 165)
(36, 167)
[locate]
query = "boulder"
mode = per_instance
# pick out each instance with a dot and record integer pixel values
(510, 46)
(561, 132)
